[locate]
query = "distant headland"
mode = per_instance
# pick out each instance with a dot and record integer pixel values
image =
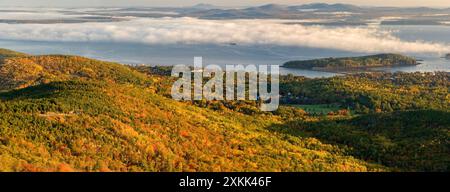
(353, 63)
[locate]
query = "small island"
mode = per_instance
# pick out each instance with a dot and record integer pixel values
(353, 63)
(447, 56)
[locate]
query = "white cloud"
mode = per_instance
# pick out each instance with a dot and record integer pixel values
(197, 31)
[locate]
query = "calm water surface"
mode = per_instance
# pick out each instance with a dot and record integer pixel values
(235, 54)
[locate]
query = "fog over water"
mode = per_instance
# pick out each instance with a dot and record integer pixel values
(169, 40)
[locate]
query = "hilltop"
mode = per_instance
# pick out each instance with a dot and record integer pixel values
(18, 70)
(5, 53)
(352, 63)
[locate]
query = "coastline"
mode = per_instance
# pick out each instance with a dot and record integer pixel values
(351, 70)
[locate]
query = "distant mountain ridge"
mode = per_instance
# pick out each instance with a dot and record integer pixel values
(204, 6)
(314, 10)
(338, 14)
(327, 7)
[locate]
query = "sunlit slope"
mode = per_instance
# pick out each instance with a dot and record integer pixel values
(5, 53)
(22, 71)
(111, 120)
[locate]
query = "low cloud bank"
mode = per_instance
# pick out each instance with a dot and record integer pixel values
(198, 31)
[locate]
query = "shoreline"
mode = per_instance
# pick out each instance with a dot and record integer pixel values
(350, 70)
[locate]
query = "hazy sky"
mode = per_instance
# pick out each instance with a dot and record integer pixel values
(85, 3)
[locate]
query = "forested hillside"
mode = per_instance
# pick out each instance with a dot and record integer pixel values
(59, 120)
(372, 92)
(69, 113)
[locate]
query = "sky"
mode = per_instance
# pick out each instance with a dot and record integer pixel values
(114, 3)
